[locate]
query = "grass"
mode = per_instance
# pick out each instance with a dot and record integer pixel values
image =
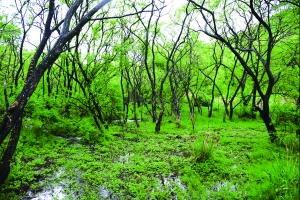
(217, 160)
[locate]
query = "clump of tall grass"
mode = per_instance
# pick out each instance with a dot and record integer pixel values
(283, 175)
(203, 147)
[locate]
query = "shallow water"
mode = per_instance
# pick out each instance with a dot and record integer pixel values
(59, 186)
(171, 182)
(52, 189)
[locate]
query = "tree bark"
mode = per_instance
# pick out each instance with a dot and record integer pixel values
(266, 117)
(13, 118)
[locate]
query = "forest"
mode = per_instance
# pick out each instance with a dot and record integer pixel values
(154, 99)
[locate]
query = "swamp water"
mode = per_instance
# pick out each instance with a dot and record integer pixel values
(59, 186)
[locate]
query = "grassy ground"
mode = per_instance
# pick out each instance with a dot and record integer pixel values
(232, 160)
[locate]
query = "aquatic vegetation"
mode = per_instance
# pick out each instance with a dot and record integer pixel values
(214, 161)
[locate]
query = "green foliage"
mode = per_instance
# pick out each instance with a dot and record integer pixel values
(246, 112)
(45, 116)
(283, 177)
(111, 101)
(237, 162)
(89, 131)
(279, 179)
(284, 116)
(203, 147)
(132, 163)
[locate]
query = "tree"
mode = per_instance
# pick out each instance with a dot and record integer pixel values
(260, 32)
(173, 52)
(13, 118)
(9, 52)
(148, 43)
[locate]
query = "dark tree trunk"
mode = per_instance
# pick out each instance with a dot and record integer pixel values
(135, 114)
(297, 114)
(14, 113)
(230, 110)
(98, 114)
(241, 83)
(12, 145)
(265, 115)
(13, 118)
(49, 82)
(125, 99)
(210, 107)
(127, 102)
(226, 111)
(191, 106)
(197, 102)
(159, 120)
(153, 103)
(270, 127)
(175, 107)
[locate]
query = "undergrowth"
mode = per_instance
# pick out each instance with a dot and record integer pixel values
(217, 160)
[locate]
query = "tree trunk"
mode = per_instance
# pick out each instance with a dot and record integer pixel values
(213, 94)
(191, 106)
(11, 147)
(49, 82)
(134, 109)
(160, 117)
(159, 120)
(230, 110)
(297, 114)
(224, 116)
(265, 115)
(13, 118)
(154, 115)
(210, 106)
(270, 127)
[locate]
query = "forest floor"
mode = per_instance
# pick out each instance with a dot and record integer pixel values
(232, 160)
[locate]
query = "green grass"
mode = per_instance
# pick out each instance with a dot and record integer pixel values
(217, 160)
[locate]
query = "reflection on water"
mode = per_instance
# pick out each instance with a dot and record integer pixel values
(171, 182)
(223, 184)
(47, 194)
(53, 190)
(61, 186)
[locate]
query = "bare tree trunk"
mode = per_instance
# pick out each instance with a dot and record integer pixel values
(134, 109)
(266, 117)
(297, 114)
(159, 119)
(210, 107)
(13, 118)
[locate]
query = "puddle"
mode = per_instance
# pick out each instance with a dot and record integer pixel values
(125, 158)
(108, 195)
(104, 192)
(171, 182)
(61, 186)
(49, 194)
(52, 190)
(78, 141)
(64, 189)
(122, 121)
(223, 184)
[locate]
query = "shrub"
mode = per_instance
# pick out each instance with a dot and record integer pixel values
(246, 112)
(88, 130)
(203, 147)
(284, 116)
